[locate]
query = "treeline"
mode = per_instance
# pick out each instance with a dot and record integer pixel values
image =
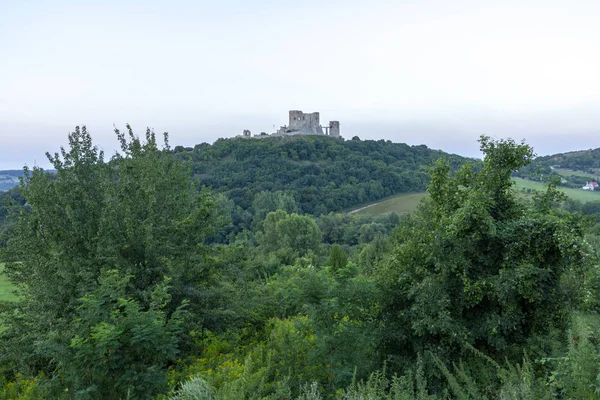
(586, 161)
(132, 283)
(323, 174)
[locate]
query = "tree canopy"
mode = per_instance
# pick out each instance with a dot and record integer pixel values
(477, 268)
(322, 174)
(134, 281)
(139, 215)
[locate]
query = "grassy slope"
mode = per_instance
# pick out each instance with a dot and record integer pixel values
(575, 194)
(5, 287)
(406, 203)
(403, 203)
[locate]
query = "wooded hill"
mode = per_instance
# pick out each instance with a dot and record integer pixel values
(323, 174)
(582, 160)
(587, 161)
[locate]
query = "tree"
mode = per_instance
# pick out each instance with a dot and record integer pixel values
(476, 268)
(266, 202)
(117, 345)
(139, 214)
(298, 233)
(337, 257)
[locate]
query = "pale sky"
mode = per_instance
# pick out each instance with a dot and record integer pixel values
(439, 73)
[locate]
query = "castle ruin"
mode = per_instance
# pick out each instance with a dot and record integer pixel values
(302, 124)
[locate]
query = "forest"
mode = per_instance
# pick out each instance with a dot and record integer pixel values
(229, 271)
(323, 174)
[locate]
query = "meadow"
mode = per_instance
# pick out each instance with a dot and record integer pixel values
(404, 203)
(575, 194)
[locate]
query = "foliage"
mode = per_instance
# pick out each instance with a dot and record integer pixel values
(352, 229)
(266, 202)
(195, 388)
(470, 297)
(322, 174)
(139, 214)
(337, 257)
(576, 374)
(269, 369)
(118, 349)
(475, 269)
(378, 386)
(23, 389)
(298, 233)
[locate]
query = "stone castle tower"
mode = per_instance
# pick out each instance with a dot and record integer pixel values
(334, 129)
(305, 123)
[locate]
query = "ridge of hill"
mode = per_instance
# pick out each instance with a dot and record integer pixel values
(9, 179)
(323, 174)
(580, 160)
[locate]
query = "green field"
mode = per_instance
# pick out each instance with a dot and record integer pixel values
(575, 194)
(403, 203)
(5, 287)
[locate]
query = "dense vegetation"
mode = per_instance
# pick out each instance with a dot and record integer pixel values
(323, 174)
(133, 282)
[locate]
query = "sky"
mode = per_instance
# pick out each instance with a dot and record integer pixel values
(433, 72)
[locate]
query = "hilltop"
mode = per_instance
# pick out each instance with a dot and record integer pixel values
(322, 173)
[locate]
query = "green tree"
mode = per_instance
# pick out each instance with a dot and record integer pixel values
(266, 202)
(337, 257)
(139, 214)
(269, 235)
(475, 268)
(298, 233)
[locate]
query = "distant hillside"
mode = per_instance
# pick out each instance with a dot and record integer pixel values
(575, 168)
(323, 174)
(9, 179)
(583, 160)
